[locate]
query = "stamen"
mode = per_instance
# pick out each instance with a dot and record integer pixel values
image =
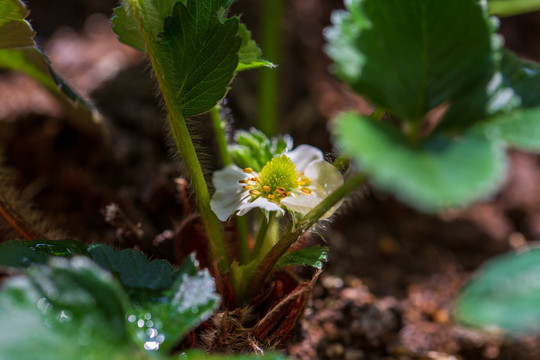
(301, 173)
(247, 187)
(266, 188)
(306, 191)
(271, 196)
(244, 181)
(248, 170)
(254, 179)
(281, 189)
(254, 192)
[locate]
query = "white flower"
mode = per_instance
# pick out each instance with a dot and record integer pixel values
(297, 180)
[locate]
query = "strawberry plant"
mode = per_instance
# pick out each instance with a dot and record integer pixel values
(448, 102)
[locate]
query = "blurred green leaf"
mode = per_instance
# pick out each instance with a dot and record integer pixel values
(192, 299)
(436, 174)
(514, 85)
(132, 268)
(21, 254)
(314, 256)
(411, 56)
(68, 310)
(519, 129)
(18, 52)
(512, 7)
(504, 294)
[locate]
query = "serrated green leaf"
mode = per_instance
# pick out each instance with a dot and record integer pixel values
(191, 43)
(505, 294)
(249, 53)
(21, 254)
(15, 31)
(410, 56)
(68, 310)
(437, 174)
(314, 256)
(18, 52)
(192, 299)
(133, 269)
(203, 54)
(125, 26)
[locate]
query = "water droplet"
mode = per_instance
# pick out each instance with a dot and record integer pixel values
(151, 345)
(183, 356)
(140, 323)
(149, 323)
(132, 318)
(64, 316)
(160, 338)
(194, 309)
(151, 332)
(147, 316)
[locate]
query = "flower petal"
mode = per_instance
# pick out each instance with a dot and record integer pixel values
(258, 203)
(228, 178)
(324, 177)
(301, 203)
(225, 203)
(229, 192)
(303, 155)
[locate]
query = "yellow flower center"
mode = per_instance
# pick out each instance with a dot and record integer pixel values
(277, 180)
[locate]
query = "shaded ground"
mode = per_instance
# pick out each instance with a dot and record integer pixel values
(393, 273)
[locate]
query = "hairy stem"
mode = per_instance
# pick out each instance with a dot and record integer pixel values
(186, 149)
(261, 235)
(268, 83)
(221, 138)
(277, 251)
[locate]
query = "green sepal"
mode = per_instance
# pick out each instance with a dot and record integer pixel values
(254, 149)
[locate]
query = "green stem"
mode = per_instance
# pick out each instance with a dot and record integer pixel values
(512, 7)
(277, 251)
(241, 227)
(220, 136)
(261, 235)
(268, 83)
(184, 144)
(377, 113)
